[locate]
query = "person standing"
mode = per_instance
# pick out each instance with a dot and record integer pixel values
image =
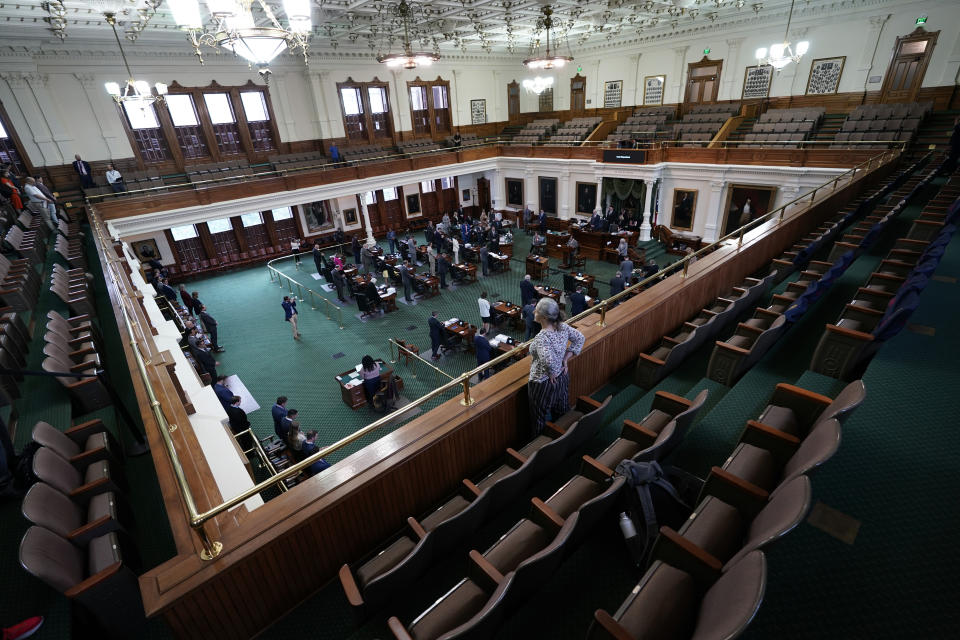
(196, 302)
(392, 240)
(285, 424)
(239, 423)
(187, 300)
(549, 383)
(223, 392)
(295, 251)
(443, 266)
(578, 301)
(623, 249)
(339, 281)
(114, 179)
(529, 320)
(370, 371)
(543, 222)
(484, 305)
(437, 336)
(405, 280)
(83, 171)
(432, 258)
(318, 260)
(279, 412)
(626, 268)
(616, 284)
(412, 248)
(37, 197)
(310, 448)
(211, 326)
(482, 346)
(484, 259)
(455, 244)
(289, 305)
(355, 246)
(206, 361)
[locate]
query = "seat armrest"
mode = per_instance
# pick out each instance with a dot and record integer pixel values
(636, 433)
(93, 581)
(807, 405)
(670, 403)
(544, 516)
(850, 333)
(586, 404)
(416, 528)
(101, 526)
(483, 572)
(730, 347)
(652, 360)
(80, 432)
(350, 588)
(676, 551)
(781, 444)
(594, 470)
(515, 459)
(397, 629)
(551, 426)
(472, 488)
(735, 491)
(83, 459)
(610, 626)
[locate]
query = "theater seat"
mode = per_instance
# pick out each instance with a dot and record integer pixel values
(46, 507)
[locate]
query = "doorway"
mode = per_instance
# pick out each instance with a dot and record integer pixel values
(703, 81)
(578, 93)
(911, 55)
(513, 101)
(483, 194)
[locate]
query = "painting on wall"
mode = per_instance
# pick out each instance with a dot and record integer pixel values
(466, 195)
(653, 89)
(413, 204)
(684, 208)
(612, 94)
(514, 192)
(146, 250)
(478, 111)
(825, 75)
(756, 81)
(586, 197)
(317, 216)
(350, 215)
(745, 203)
(548, 195)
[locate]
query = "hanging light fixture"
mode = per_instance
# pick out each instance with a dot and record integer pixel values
(538, 85)
(547, 61)
(135, 92)
(235, 29)
(409, 59)
(781, 54)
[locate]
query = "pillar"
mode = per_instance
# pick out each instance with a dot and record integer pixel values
(366, 218)
(728, 83)
(714, 213)
(645, 226)
(679, 73)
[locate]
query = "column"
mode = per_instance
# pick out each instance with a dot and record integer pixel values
(563, 195)
(531, 190)
(728, 83)
(497, 196)
(679, 74)
(106, 115)
(645, 226)
(288, 131)
(714, 214)
(868, 57)
(366, 218)
(62, 139)
(323, 122)
(39, 133)
(637, 82)
(600, 205)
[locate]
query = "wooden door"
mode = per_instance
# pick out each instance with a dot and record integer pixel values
(703, 81)
(513, 101)
(911, 55)
(578, 85)
(483, 193)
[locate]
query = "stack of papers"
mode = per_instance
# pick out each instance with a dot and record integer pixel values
(451, 321)
(352, 384)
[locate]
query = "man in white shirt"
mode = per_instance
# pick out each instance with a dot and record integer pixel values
(484, 305)
(36, 196)
(456, 250)
(115, 179)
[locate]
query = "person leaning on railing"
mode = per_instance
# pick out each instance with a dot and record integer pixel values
(549, 384)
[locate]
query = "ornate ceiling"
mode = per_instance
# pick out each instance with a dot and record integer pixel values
(455, 28)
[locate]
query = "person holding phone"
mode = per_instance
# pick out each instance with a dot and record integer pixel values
(289, 305)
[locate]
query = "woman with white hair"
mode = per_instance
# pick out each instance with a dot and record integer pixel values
(551, 349)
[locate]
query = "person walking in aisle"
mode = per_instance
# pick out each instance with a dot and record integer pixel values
(549, 383)
(484, 305)
(530, 327)
(295, 251)
(443, 266)
(289, 305)
(484, 259)
(405, 279)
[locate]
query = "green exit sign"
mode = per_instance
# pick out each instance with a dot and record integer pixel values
(922, 20)
(579, 68)
(706, 52)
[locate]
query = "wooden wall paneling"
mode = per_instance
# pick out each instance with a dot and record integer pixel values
(173, 249)
(239, 233)
(203, 114)
(204, 234)
(271, 227)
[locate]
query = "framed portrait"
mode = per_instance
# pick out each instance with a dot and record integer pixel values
(825, 75)
(612, 94)
(146, 250)
(586, 197)
(684, 209)
(756, 81)
(413, 204)
(653, 89)
(514, 192)
(548, 195)
(478, 111)
(745, 203)
(317, 216)
(350, 215)
(465, 195)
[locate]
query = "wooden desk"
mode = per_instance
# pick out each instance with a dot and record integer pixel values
(537, 267)
(587, 281)
(468, 272)
(470, 253)
(549, 292)
(464, 330)
(506, 248)
(422, 254)
(512, 312)
(557, 244)
(353, 396)
(350, 270)
(592, 243)
(431, 284)
(498, 262)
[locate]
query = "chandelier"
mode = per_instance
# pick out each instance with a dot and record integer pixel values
(538, 85)
(409, 59)
(235, 29)
(781, 54)
(135, 92)
(547, 61)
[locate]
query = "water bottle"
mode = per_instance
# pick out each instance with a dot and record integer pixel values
(631, 538)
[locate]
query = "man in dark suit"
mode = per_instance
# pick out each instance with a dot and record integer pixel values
(372, 295)
(83, 171)
(166, 290)
(187, 300)
(578, 301)
(223, 393)
(482, 346)
(616, 284)
(438, 337)
(339, 281)
(530, 325)
(211, 325)
(543, 222)
(207, 363)
(626, 268)
(484, 259)
(319, 261)
(443, 267)
(596, 221)
(283, 428)
(279, 412)
(527, 291)
(239, 422)
(309, 448)
(404, 270)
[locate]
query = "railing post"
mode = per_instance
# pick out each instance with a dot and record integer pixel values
(686, 265)
(313, 305)
(340, 316)
(299, 291)
(392, 359)
(603, 315)
(289, 283)
(740, 239)
(467, 400)
(780, 217)
(211, 548)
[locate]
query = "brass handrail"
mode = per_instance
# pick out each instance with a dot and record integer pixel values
(197, 520)
(416, 356)
(290, 282)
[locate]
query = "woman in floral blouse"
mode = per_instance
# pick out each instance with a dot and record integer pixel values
(549, 383)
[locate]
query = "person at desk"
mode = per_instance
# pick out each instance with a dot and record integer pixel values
(438, 338)
(373, 296)
(371, 377)
(338, 261)
(443, 267)
(279, 412)
(538, 243)
(596, 221)
(578, 301)
(549, 383)
(484, 305)
(527, 291)
(404, 270)
(616, 284)
(482, 347)
(574, 247)
(455, 249)
(623, 249)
